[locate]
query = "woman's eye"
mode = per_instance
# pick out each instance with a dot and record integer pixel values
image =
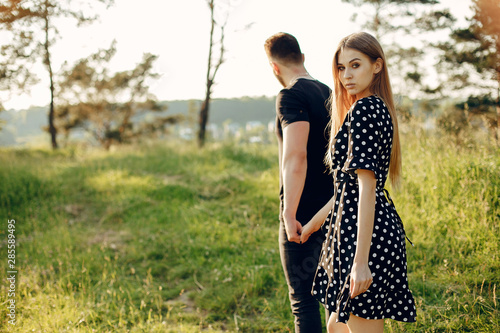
(341, 68)
(355, 65)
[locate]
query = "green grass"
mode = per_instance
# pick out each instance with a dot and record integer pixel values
(169, 238)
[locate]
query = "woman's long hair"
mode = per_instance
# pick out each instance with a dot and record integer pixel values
(340, 101)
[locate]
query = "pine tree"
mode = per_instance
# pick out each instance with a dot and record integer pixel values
(394, 23)
(471, 60)
(31, 24)
(108, 105)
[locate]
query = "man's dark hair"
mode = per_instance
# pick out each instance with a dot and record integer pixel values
(284, 48)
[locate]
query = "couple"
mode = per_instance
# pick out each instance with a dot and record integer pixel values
(342, 242)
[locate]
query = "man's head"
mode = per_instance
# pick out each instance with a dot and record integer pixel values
(283, 51)
(283, 48)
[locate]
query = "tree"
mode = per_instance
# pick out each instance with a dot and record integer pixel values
(214, 63)
(110, 105)
(471, 60)
(392, 21)
(15, 71)
(32, 22)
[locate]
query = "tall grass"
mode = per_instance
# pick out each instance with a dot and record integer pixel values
(169, 238)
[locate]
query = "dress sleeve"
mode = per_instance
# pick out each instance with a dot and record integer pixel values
(290, 108)
(363, 139)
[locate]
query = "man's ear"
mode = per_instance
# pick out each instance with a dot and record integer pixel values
(276, 67)
(379, 64)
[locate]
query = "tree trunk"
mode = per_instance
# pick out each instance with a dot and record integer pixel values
(498, 112)
(376, 21)
(498, 123)
(52, 128)
(497, 132)
(203, 119)
(204, 111)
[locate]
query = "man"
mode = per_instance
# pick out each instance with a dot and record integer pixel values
(305, 185)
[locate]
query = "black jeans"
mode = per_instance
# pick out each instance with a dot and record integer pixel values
(300, 262)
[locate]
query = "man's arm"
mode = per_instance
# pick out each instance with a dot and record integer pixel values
(294, 167)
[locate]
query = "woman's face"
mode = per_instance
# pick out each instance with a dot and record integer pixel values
(356, 72)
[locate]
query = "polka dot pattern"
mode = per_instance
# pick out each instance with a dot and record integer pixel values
(364, 142)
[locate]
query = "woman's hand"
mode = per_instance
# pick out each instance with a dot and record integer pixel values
(361, 279)
(316, 222)
(311, 227)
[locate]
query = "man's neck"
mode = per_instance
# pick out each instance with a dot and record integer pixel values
(294, 74)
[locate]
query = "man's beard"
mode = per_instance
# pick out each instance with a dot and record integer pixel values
(280, 79)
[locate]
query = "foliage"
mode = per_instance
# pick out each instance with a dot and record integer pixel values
(168, 238)
(31, 25)
(15, 66)
(456, 123)
(391, 21)
(483, 107)
(475, 47)
(471, 61)
(105, 104)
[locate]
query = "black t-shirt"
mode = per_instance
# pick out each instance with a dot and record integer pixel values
(305, 100)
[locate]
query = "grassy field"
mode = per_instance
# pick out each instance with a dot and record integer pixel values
(167, 238)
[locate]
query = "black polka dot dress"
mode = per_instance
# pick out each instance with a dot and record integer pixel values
(367, 147)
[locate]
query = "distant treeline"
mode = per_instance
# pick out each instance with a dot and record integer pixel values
(238, 110)
(25, 126)
(22, 126)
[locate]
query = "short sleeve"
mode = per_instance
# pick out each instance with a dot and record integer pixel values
(363, 140)
(290, 108)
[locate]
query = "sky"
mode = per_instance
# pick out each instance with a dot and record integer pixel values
(178, 32)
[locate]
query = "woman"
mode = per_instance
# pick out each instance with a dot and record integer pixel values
(361, 277)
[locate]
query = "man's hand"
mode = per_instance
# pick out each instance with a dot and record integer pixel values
(293, 229)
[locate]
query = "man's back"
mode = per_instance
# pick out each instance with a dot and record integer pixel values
(305, 100)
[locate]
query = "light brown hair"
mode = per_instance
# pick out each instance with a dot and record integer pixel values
(340, 101)
(284, 48)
